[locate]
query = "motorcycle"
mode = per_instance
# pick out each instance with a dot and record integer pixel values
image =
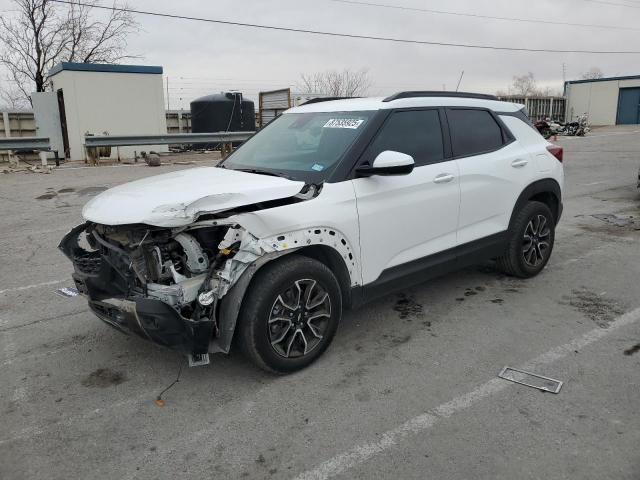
(544, 128)
(579, 128)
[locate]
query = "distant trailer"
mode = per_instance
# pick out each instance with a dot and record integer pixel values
(272, 103)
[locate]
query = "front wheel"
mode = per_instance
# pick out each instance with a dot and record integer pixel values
(290, 314)
(531, 241)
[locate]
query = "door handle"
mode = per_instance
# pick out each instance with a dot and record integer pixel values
(519, 163)
(443, 178)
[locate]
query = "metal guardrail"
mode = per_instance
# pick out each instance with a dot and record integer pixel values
(166, 139)
(25, 143)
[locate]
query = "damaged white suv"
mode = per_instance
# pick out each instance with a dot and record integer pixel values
(332, 204)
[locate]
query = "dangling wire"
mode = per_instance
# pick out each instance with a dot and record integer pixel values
(159, 401)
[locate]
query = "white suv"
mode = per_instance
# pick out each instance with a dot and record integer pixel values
(330, 205)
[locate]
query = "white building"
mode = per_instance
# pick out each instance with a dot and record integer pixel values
(607, 101)
(116, 99)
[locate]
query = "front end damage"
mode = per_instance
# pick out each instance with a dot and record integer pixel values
(163, 284)
(182, 286)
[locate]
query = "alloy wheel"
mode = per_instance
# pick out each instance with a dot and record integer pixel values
(536, 240)
(299, 318)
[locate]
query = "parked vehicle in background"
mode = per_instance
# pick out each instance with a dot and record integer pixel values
(330, 205)
(549, 128)
(544, 128)
(579, 128)
(555, 127)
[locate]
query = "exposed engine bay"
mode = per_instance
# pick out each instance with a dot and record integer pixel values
(141, 268)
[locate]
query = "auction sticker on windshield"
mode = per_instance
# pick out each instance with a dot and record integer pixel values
(344, 123)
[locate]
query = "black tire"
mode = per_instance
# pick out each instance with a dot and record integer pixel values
(524, 258)
(266, 308)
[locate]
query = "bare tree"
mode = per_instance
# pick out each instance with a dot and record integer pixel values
(524, 85)
(592, 74)
(347, 83)
(11, 97)
(42, 33)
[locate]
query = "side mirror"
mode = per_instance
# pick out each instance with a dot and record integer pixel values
(388, 163)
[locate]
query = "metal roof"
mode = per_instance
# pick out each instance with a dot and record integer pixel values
(607, 79)
(103, 67)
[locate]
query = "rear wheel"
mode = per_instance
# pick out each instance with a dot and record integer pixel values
(290, 314)
(531, 241)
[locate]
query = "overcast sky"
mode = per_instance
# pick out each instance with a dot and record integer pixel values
(201, 58)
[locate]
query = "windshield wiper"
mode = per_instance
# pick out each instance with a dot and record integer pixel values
(262, 172)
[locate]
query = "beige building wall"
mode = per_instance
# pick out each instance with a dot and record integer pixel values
(114, 102)
(598, 99)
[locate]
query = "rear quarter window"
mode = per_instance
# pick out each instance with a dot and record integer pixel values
(473, 132)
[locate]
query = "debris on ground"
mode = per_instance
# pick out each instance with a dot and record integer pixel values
(26, 169)
(152, 159)
(529, 379)
(67, 292)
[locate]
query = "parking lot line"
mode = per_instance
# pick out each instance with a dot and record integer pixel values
(421, 423)
(35, 285)
(602, 135)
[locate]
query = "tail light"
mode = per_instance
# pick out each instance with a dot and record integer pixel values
(556, 151)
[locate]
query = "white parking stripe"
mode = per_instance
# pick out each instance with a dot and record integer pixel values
(361, 453)
(601, 135)
(35, 285)
(9, 349)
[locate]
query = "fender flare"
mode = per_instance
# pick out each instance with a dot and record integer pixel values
(230, 304)
(546, 185)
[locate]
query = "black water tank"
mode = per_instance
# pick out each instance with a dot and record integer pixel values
(222, 112)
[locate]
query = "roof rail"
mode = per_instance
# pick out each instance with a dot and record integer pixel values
(413, 94)
(324, 99)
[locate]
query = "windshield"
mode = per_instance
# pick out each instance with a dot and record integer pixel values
(301, 146)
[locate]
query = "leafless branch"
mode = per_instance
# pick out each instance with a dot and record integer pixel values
(593, 74)
(347, 83)
(40, 34)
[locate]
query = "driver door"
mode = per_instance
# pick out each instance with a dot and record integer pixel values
(405, 218)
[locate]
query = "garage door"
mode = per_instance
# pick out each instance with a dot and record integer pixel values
(629, 106)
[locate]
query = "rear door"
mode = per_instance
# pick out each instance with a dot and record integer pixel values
(494, 169)
(407, 217)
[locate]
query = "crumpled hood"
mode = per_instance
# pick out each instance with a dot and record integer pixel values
(176, 199)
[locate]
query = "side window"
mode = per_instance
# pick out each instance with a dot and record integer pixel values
(414, 132)
(473, 132)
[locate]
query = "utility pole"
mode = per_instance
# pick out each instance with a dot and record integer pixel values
(564, 73)
(168, 93)
(460, 80)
